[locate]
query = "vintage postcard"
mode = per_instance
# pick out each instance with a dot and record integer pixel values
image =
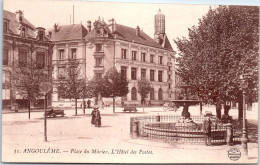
(114, 82)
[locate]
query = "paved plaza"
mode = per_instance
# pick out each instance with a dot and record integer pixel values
(73, 135)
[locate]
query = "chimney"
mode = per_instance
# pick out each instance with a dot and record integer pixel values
(89, 25)
(55, 27)
(19, 15)
(137, 31)
(112, 25)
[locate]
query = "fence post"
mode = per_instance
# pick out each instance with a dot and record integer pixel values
(135, 131)
(229, 134)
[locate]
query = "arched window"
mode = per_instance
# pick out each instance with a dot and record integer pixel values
(160, 96)
(152, 94)
(134, 94)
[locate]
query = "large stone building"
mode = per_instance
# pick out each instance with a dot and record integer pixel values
(134, 53)
(22, 42)
(69, 44)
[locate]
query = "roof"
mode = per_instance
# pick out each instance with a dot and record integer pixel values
(69, 32)
(14, 25)
(129, 34)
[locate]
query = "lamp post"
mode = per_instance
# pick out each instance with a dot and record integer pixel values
(244, 85)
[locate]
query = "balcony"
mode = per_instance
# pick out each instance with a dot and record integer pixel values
(99, 54)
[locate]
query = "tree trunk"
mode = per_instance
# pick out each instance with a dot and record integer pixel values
(113, 104)
(143, 104)
(218, 110)
(84, 106)
(29, 108)
(240, 106)
(76, 106)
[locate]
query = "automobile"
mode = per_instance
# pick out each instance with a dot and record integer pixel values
(53, 113)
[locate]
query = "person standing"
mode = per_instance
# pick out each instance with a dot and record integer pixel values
(226, 118)
(97, 118)
(93, 115)
(207, 129)
(88, 102)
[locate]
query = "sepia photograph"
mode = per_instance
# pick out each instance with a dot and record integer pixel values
(129, 82)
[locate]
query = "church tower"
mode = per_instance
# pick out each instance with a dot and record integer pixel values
(159, 27)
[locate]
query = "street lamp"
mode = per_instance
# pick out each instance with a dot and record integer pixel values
(244, 85)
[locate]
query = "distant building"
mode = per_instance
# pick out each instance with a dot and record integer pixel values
(23, 42)
(69, 44)
(130, 50)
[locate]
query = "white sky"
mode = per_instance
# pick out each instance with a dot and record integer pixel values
(45, 13)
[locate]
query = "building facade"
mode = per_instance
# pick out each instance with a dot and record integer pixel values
(23, 42)
(135, 54)
(69, 43)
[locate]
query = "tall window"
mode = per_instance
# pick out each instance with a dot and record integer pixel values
(123, 53)
(160, 76)
(134, 55)
(124, 98)
(61, 72)
(41, 35)
(98, 76)
(134, 94)
(61, 54)
(151, 75)
(99, 61)
(23, 32)
(22, 58)
(133, 73)
(143, 73)
(143, 57)
(98, 47)
(73, 53)
(152, 94)
(5, 56)
(160, 59)
(40, 60)
(151, 59)
(160, 95)
(123, 72)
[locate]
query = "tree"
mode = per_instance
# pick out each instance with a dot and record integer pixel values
(222, 47)
(73, 86)
(114, 85)
(144, 88)
(25, 80)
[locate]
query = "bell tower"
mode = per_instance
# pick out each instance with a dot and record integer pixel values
(159, 23)
(159, 27)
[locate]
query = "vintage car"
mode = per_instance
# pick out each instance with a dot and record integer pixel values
(54, 113)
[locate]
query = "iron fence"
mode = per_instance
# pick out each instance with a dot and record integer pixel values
(175, 129)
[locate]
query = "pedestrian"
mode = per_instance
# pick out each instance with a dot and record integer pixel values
(207, 129)
(225, 118)
(93, 115)
(96, 118)
(88, 102)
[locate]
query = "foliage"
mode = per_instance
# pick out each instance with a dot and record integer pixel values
(73, 86)
(26, 79)
(223, 46)
(113, 85)
(144, 87)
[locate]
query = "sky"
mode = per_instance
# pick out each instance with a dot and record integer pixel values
(44, 13)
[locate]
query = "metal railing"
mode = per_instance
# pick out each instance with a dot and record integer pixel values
(175, 128)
